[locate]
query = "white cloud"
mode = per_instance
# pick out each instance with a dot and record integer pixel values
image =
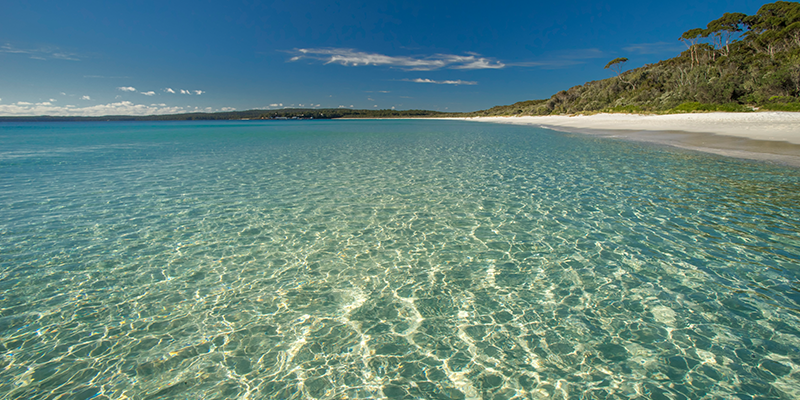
(185, 92)
(63, 94)
(52, 100)
(458, 82)
(118, 108)
(127, 89)
(198, 92)
(44, 103)
(150, 93)
(85, 98)
(228, 109)
(24, 103)
(169, 90)
(350, 57)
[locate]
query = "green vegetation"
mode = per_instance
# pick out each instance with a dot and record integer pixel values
(737, 63)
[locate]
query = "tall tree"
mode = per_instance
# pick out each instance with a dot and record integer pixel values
(724, 29)
(690, 38)
(774, 26)
(616, 66)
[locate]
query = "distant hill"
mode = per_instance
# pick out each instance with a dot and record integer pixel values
(282, 114)
(736, 63)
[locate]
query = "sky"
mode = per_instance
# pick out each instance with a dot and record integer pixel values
(89, 58)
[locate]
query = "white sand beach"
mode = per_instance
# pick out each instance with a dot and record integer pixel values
(770, 136)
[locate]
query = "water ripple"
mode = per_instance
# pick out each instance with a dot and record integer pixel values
(390, 259)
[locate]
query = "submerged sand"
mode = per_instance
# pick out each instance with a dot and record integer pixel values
(767, 136)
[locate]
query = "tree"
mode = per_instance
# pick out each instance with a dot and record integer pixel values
(792, 34)
(690, 38)
(616, 66)
(774, 26)
(724, 29)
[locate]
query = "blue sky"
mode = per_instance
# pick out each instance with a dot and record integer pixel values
(156, 57)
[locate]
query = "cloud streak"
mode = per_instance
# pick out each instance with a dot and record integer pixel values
(41, 53)
(354, 58)
(457, 82)
(469, 61)
(654, 48)
(563, 59)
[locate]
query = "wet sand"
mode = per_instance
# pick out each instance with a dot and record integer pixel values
(763, 136)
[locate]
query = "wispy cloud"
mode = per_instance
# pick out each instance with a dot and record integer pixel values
(562, 59)
(655, 48)
(458, 82)
(85, 98)
(198, 92)
(106, 77)
(150, 93)
(40, 53)
(469, 61)
(118, 108)
(127, 88)
(169, 90)
(351, 57)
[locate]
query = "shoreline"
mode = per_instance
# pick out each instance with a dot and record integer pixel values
(763, 136)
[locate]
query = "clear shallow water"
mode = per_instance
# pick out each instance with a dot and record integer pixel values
(368, 259)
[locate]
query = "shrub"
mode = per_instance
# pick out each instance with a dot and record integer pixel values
(694, 106)
(781, 107)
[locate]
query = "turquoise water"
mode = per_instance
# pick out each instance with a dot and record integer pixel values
(390, 259)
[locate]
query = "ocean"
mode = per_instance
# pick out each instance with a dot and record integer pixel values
(392, 259)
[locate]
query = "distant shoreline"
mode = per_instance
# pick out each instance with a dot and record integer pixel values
(764, 136)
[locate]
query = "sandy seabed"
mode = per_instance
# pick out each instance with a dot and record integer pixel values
(766, 136)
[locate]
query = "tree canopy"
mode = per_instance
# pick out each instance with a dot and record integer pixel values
(738, 62)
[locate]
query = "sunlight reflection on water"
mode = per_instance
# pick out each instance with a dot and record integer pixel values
(399, 259)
